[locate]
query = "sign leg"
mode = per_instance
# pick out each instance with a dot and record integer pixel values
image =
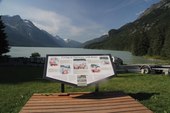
(62, 88)
(96, 88)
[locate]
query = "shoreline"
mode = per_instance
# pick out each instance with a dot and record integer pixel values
(163, 60)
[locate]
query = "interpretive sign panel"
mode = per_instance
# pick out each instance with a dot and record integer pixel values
(79, 70)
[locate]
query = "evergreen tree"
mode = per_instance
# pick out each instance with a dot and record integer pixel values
(158, 40)
(134, 46)
(4, 46)
(166, 47)
(140, 44)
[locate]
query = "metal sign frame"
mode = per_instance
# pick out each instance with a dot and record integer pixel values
(45, 76)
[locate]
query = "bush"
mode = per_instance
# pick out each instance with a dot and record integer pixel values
(35, 55)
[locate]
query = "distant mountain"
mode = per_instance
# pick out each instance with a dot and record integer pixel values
(148, 35)
(22, 32)
(72, 43)
(96, 40)
(68, 42)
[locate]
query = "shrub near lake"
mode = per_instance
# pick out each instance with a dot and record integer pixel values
(17, 84)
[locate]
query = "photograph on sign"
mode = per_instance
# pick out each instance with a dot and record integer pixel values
(81, 80)
(79, 70)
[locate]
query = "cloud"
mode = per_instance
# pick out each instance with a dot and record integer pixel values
(122, 5)
(48, 20)
(57, 23)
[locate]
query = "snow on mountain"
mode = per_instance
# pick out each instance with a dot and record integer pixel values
(72, 43)
(22, 32)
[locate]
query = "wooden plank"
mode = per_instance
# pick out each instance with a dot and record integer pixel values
(80, 103)
(83, 103)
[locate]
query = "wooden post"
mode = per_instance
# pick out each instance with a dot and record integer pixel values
(62, 88)
(96, 88)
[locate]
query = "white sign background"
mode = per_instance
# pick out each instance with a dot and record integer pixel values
(67, 68)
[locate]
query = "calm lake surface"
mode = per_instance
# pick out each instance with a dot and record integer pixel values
(127, 57)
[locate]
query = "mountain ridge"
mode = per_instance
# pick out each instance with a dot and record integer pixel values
(22, 32)
(147, 35)
(96, 40)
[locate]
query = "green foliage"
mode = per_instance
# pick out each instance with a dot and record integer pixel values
(35, 55)
(140, 44)
(166, 47)
(4, 46)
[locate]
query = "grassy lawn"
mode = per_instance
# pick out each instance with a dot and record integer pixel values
(17, 84)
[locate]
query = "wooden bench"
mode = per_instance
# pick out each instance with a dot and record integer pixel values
(108, 102)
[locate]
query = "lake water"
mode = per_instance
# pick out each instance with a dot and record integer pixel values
(127, 57)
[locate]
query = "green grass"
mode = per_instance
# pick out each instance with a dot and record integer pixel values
(17, 84)
(161, 60)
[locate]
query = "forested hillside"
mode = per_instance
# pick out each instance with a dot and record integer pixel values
(148, 35)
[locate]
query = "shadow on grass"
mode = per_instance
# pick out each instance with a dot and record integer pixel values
(12, 74)
(142, 95)
(101, 95)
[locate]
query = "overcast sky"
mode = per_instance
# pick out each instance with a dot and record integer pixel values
(79, 20)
